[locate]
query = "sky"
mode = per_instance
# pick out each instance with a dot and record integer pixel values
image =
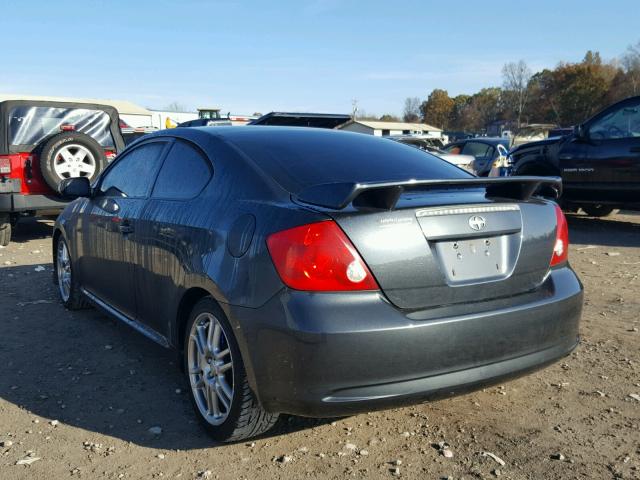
(316, 55)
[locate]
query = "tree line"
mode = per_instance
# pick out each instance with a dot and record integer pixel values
(565, 95)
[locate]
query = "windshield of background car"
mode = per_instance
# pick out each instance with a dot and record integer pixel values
(298, 158)
(29, 125)
(477, 149)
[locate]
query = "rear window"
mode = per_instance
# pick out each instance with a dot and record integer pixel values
(29, 125)
(297, 159)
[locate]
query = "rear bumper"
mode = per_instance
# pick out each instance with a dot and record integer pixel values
(18, 202)
(334, 354)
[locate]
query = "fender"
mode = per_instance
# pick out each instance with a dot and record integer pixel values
(537, 162)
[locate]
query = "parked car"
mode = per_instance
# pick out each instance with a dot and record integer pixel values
(318, 272)
(428, 145)
(42, 143)
(485, 150)
(599, 162)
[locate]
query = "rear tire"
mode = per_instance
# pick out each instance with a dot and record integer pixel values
(5, 230)
(220, 392)
(599, 210)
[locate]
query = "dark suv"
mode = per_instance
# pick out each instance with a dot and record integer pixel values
(599, 161)
(44, 142)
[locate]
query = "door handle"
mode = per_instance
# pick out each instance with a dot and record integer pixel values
(125, 227)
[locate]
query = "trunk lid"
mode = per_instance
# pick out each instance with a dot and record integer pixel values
(454, 248)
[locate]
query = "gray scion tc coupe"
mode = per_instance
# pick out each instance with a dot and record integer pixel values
(317, 272)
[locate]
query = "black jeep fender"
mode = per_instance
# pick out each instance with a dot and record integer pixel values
(538, 160)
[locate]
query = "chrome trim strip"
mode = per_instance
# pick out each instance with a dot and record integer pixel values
(143, 329)
(440, 211)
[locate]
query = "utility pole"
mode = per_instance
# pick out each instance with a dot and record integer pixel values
(354, 108)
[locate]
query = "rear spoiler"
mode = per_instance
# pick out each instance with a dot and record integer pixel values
(385, 195)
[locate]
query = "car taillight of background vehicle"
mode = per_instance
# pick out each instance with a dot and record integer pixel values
(319, 257)
(111, 156)
(561, 247)
(5, 165)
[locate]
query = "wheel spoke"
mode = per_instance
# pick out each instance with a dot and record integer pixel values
(64, 167)
(214, 335)
(80, 155)
(86, 167)
(199, 339)
(222, 395)
(222, 354)
(225, 367)
(212, 402)
(225, 387)
(66, 154)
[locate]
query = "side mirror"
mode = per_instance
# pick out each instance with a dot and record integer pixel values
(580, 132)
(75, 187)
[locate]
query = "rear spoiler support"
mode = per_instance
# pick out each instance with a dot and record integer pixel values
(385, 195)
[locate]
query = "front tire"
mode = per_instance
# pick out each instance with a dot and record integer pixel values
(220, 392)
(68, 287)
(599, 210)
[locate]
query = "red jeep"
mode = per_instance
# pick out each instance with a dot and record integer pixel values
(42, 143)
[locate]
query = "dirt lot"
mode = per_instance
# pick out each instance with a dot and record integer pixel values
(79, 392)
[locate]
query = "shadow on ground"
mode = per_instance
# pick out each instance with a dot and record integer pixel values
(614, 231)
(30, 229)
(91, 372)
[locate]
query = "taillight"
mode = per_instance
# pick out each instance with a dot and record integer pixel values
(110, 155)
(561, 246)
(66, 127)
(5, 165)
(319, 257)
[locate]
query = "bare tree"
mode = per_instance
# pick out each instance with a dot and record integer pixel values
(516, 76)
(631, 64)
(176, 107)
(411, 111)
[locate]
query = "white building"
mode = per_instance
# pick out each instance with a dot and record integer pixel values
(383, 129)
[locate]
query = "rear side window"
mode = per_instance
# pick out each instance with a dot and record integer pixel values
(30, 125)
(184, 173)
(299, 158)
(477, 149)
(134, 172)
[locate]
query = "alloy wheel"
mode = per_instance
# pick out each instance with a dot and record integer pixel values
(63, 270)
(210, 365)
(74, 160)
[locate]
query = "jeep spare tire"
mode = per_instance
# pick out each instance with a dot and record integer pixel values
(69, 155)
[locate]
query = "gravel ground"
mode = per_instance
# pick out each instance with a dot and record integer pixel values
(80, 392)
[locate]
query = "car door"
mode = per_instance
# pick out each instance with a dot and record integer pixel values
(611, 163)
(483, 153)
(571, 152)
(171, 232)
(109, 225)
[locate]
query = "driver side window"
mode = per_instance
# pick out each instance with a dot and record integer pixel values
(623, 122)
(134, 173)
